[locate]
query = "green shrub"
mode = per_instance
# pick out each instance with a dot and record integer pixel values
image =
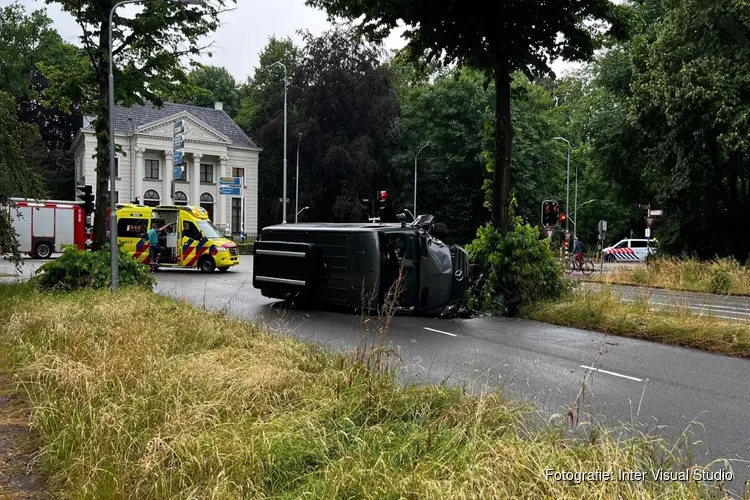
(721, 279)
(521, 262)
(640, 276)
(76, 269)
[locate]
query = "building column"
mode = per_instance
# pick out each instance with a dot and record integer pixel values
(195, 182)
(220, 201)
(166, 196)
(138, 176)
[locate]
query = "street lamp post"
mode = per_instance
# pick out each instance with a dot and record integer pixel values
(415, 175)
(111, 117)
(296, 196)
(567, 197)
(283, 221)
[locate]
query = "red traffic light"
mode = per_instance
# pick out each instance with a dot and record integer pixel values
(383, 195)
(563, 217)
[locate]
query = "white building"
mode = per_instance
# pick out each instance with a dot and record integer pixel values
(215, 146)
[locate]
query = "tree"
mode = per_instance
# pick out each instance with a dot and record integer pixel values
(207, 85)
(16, 178)
(148, 51)
(497, 37)
(25, 42)
(345, 107)
(261, 115)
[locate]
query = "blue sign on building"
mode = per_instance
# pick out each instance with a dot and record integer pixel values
(230, 181)
(177, 157)
(227, 190)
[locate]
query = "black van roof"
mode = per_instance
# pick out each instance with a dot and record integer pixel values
(336, 226)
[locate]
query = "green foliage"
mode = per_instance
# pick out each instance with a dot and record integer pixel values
(640, 276)
(207, 85)
(17, 179)
(519, 261)
(76, 269)
(721, 279)
(149, 54)
(498, 38)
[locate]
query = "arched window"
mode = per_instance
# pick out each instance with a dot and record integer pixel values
(151, 198)
(207, 203)
(180, 198)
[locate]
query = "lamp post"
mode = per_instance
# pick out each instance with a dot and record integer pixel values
(303, 209)
(567, 197)
(415, 175)
(283, 221)
(111, 117)
(296, 196)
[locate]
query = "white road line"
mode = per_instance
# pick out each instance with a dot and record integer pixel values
(696, 307)
(611, 373)
(439, 331)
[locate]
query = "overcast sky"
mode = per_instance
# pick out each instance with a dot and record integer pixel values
(244, 32)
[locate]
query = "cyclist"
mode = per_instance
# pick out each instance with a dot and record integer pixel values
(578, 251)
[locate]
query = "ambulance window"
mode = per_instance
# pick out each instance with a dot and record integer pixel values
(131, 228)
(190, 231)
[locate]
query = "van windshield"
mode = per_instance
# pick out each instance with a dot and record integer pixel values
(209, 230)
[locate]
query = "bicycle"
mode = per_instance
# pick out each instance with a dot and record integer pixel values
(571, 265)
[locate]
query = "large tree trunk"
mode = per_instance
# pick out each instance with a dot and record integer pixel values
(102, 145)
(503, 145)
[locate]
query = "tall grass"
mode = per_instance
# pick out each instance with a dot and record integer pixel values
(605, 312)
(720, 276)
(139, 396)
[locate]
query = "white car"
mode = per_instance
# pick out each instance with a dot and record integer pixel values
(629, 250)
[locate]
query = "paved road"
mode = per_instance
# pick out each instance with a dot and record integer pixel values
(661, 389)
(721, 306)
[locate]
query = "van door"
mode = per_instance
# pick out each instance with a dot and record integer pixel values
(397, 249)
(191, 243)
(639, 248)
(131, 234)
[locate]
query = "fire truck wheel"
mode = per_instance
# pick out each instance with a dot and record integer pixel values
(43, 250)
(206, 265)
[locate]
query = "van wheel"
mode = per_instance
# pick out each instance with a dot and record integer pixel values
(223, 269)
(43, 250)
(206, 265)
(610, 258)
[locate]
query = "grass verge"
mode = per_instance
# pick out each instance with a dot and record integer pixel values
(603, 311)
(137, 395)
(720, 276)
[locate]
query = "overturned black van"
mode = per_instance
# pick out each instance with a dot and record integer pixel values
(331, 264)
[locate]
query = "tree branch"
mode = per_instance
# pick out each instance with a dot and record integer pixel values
(86, 39)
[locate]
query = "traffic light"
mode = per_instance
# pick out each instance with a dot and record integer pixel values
(550, 213)
(88, 199)
(382, 202)
(563, 218)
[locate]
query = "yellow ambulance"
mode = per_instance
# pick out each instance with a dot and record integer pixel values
(187, 237)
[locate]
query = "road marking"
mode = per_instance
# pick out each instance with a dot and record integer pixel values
(440, 331)
(611, 373)
(700, 308)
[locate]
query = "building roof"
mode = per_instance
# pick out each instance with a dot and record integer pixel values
(128, 119)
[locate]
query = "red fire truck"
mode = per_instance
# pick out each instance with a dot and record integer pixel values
(44, 226)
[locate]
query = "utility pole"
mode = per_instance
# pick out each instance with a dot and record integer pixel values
(415, 175)
(283, 221)
(567, 197)
(296, 196)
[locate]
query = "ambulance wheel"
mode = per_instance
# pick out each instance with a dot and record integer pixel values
(206, 265)
(43, 250)
(223, 269)
(610, 258)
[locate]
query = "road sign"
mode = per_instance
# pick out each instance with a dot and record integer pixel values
(602, 226)
(548, 232)
(648, 232)
(230, 181)
(230, 190)
(177, 157)
(653, 213)
(179, 127)
(649, 221)
(177, 172)
(178, 142)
